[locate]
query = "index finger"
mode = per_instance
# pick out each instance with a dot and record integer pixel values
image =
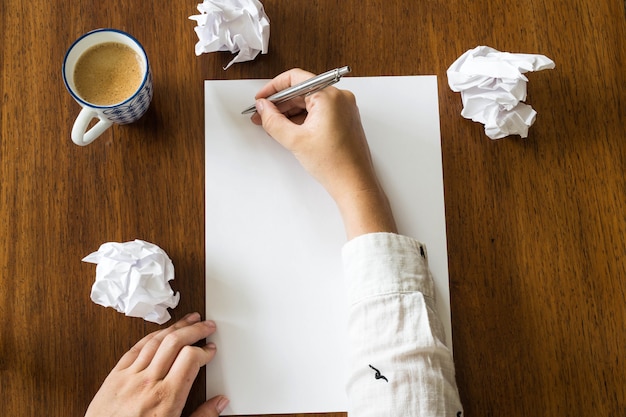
(282, 81)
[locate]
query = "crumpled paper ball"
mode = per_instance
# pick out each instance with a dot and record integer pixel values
(238, 26)
(493, 87)
(133, 277)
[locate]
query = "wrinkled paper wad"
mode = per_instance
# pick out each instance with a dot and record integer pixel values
(238, 26)
(492, 87)
(133, 277)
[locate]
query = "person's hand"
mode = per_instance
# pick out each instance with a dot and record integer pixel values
(154, 377)
(324, 132)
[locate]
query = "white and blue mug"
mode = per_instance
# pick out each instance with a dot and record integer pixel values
(128, 109)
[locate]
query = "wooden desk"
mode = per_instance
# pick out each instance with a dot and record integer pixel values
(536, 227)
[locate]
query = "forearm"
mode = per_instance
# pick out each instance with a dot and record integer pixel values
(366, 211)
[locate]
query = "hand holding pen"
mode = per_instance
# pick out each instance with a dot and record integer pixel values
(325, 134)
(303, 88)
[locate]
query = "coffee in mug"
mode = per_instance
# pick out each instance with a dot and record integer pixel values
(108, 74)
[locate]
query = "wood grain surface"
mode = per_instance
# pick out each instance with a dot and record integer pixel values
(536, 227)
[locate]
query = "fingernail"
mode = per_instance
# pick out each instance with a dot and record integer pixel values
(211, 346)
(193, 317)
(222, 404)
(210, 323)
(259, 106)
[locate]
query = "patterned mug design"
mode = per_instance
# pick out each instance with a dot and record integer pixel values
(131, 111)
(127, 111)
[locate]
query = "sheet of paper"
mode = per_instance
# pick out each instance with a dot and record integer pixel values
(273, 242)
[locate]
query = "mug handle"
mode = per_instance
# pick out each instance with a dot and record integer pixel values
(80, 135)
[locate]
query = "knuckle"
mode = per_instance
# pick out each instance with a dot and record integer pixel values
(135, 350)
(152, 345)
(190, 354)
(162, 395)
(172, 340)
(349, 95)
(196, 356)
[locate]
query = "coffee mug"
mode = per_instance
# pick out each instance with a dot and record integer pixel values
(108, 74)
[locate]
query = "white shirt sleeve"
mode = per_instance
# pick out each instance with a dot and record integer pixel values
(399, 363)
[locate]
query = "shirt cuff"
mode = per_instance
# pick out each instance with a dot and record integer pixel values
(385, 263)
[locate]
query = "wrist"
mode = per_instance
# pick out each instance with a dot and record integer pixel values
(366, 211)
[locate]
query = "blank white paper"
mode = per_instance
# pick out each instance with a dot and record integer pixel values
(273, 242)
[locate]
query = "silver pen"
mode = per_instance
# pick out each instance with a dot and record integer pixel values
(309, 86)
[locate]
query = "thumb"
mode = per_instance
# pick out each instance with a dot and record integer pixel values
(212, 408)
(274, 122)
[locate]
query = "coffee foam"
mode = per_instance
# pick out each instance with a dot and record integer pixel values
(108, 73)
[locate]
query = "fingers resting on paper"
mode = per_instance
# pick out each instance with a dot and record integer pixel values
(155, 375)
